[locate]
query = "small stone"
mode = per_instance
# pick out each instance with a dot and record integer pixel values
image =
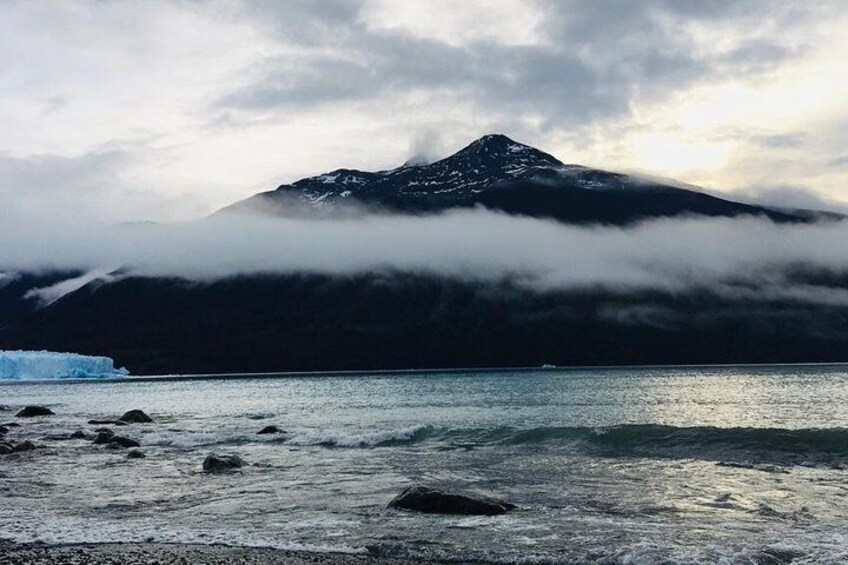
(123, 441)
(270, 430)
(107, 423)
(31, 411)
(104, 437)
(136, 417)
(215, 463)
(24, 446)
(136, 454)
(79, 434)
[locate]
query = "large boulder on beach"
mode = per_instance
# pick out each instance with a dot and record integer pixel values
(32, 411)
(432, 501)
(136, 417)
(270, 430)
(218, 463)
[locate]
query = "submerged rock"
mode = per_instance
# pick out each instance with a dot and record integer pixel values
(3, 430)
(104, 436)
(23, 446)
(31, 411)
(270, 430)
(109, 438)
(136, 417)
(107, 423)
(136, 454)
(79, 434)
(216, 463)
(11, 425)
(432, 501)
(123, 441)
(6, 448)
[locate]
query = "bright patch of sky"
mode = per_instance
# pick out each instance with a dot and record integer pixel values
(163, 110)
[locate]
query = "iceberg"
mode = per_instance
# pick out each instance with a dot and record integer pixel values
(37, 365)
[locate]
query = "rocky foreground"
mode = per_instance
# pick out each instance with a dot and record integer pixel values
(168, 554)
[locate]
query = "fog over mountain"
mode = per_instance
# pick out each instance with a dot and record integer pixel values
(491, 256)
(750, 257)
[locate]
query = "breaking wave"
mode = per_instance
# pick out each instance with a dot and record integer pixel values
(737, 447)
(789, 446)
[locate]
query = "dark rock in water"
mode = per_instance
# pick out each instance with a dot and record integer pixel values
(123, 441)
(270, 430)
(103, 431)
(24, 446)
(136, 454)
(104, 436)
(11, 425)
(4, 408)
(79, 434)
(431, 501)
(136, 417)
(3, 430)
(31, 411)
(6, 447)
(107, 423)
(215, 463)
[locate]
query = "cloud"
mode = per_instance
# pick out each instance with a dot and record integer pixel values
(213, 101)
(749, 258)
(94, 186)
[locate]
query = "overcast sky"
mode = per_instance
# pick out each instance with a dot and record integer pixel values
(168, 110)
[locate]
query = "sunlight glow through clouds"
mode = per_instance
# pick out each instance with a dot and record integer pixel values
(191, 106)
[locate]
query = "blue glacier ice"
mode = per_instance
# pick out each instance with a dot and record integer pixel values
(30, 365)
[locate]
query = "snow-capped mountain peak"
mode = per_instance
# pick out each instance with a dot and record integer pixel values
(496, 172)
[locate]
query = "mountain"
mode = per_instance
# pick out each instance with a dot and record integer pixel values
(402, 321)
(399, 320)
(500, 174)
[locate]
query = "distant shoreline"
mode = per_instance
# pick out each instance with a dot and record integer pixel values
(401, 372)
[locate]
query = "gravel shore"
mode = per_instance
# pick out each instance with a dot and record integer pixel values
(168, 554)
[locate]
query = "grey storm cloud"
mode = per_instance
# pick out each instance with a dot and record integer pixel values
(594, 58)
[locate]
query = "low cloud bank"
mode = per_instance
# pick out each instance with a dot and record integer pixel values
(747, 258)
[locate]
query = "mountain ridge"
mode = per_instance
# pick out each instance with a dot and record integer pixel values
(498, 173)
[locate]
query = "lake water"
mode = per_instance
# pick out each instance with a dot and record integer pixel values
(679, 465)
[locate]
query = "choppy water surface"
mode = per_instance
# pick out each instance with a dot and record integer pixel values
(740, 465)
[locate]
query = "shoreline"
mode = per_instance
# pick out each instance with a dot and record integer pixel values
(115, 553)
(399, 372)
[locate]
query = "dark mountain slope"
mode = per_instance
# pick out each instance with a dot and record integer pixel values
(14, 302)
(278, 323)
(498, 173)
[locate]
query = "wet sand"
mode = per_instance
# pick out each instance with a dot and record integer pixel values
(172, 554)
